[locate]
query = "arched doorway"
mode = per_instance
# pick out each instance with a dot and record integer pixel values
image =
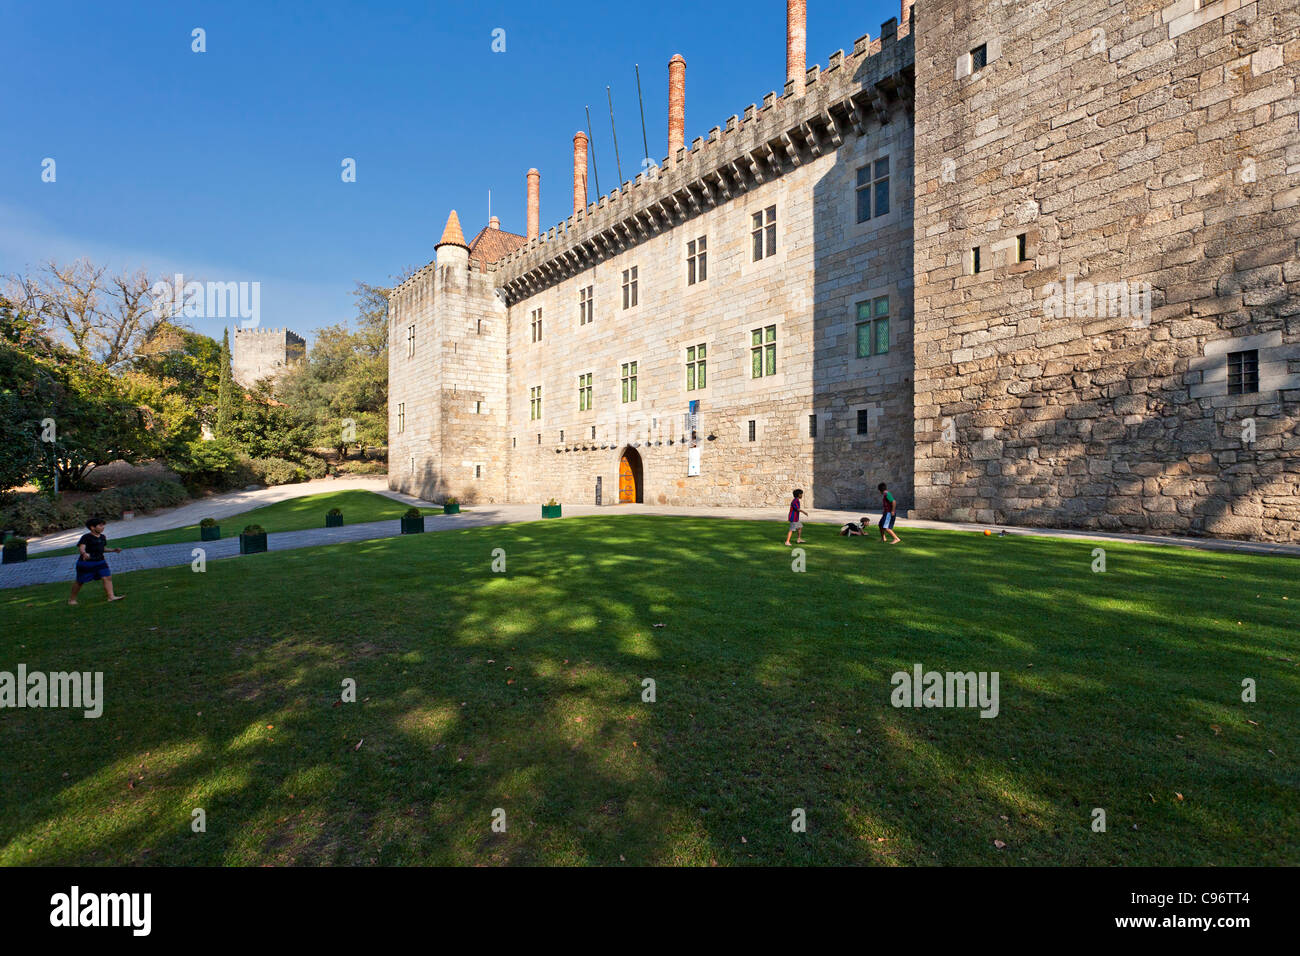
(629, 477)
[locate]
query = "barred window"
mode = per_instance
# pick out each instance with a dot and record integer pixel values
(1243, 372)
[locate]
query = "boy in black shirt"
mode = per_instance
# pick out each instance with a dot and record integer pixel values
(91, 565)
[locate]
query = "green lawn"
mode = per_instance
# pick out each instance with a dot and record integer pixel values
(296, 514)
(523, 691)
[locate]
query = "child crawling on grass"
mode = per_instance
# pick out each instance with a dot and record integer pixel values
(91, 565)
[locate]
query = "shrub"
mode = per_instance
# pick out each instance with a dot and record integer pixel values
(337, 512)
(361, 468)
(412, 512)
(35, 514)
(208, 523)
(451, 500)
(254, 529)
(278, 471)
(218, 464)
(551, 502)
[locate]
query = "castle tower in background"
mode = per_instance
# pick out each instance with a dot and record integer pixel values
(264, 353)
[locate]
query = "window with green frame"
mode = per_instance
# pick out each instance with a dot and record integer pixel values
(535, 403)
(584, 392)
(629, 381)
(873, 326)
(762, 352)
(696, 371)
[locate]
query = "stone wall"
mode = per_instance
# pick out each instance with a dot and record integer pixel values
(1131, 141)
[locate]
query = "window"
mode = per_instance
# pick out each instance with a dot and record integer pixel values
(410, 341)
(514, 443)
(696, 370)
(979, 57)
(478, 408)
(561, 436)
(873, 327)
(535, 406)
(593, 432)
(535, 324)
(584, 392)
(1022, 247)
(539, 438)
(629, 381)
(763, 233)
(812, 426)
(401, 417)
(1243, 372)
(697, 260)
(585, 304)
(762, 352)
(629, 287)
(873, 189)
(975, 260)
(864, 421)
(753, 430)
(478, 471)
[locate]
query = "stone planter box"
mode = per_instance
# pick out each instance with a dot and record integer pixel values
(333, 521)
(551, 511)
(252, 543)
(210, 534)
(14, 552)
(413, 525)
(451, 509)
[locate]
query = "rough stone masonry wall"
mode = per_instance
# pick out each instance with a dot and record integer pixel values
(1131, 140)
(825, 264)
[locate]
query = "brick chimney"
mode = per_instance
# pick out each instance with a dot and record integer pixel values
(676, 106)
(796, 43)
(534, 201)
(579, 171)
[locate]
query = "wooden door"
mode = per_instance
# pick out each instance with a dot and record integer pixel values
(626, 482)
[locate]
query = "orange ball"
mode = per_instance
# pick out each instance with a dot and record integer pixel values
(987, 532)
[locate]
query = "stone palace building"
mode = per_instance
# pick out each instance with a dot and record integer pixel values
(1027, 261)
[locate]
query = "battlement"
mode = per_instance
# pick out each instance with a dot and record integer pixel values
(851, 90)
(760, 143)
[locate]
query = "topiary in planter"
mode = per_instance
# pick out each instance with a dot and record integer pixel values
(334, 518)
(252, 540)
(15, 550)
(451, 507)
(209, 530)
(412, 521)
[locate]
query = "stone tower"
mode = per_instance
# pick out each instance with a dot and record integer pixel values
(264, 353)
(447, 376)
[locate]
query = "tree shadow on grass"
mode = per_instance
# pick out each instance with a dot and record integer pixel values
(522, 692)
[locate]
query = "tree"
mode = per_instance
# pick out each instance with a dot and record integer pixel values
(225, 388)
(26, 396)
(342, 387)
(105, 316)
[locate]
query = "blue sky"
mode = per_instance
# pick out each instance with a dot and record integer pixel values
(225, 165)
